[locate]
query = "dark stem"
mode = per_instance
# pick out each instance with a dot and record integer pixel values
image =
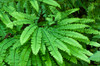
(41, 18)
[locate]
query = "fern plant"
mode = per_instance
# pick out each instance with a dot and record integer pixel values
(43, 35)
(96, 57)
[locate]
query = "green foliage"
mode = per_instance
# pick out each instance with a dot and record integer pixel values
(2, 31)
(36, 41)
(47, 33)
(26, 33)
(96, 56)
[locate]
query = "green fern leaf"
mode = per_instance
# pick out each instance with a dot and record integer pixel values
(2, 31)
(71, 42)
(58, 16)
(47, 59)
(86, 20)
(29, 63)
(91, 31)
(22, 21)
(25, 54)
(51, 46)
(86, 52)
(75, 52)
(17, 44)
(59, 44)
(27, 7)
(51, 2)
(92, 43)
(53, 62)
(5, 19)
(73, 26)
(13, 58)
(70, 58)
(68, 12)
(19, 15)
(36, 60)
(43, 47)
(67, 40)
(9, 9)
(26, 33)
(71, 34)
(96, 37)
(36, 41)
(35, 4)
(88, 31)
(4, 46)
(68, 20)
(62, 46)
(53, 10)
(95, 57)
(75, 20)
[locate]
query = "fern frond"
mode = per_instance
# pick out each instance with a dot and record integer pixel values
(9, 9)
(51, 2)
(13, 58)
(58, 16)
(2, 31)
(75, 20)
(96, 36)
(36, 60)
(73, 59)
(62, 46)
(71, 42)
(19, 15)
(35, 4)
(51, 46)
(72, 26)
(53, 9)
(75, 52)
(68, 12)
(5, 19)
(52, 37)
(67, 40)
(83, 41)
(92, 43)
(89, 31)
(86, 52)
(29, 63)
(4, 45)
(26, 33)
(22, 21)
(53, 62)
(95, 57)
(43, 47)
(20, 6)
(16, 45)
(27, 7)
(71, 34)
(25, 54)
(47, 59)
(36, 41)
(86, 20)
(70, 58)
(68, 21)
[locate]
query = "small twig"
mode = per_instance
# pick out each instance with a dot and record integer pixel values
(9, 34)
